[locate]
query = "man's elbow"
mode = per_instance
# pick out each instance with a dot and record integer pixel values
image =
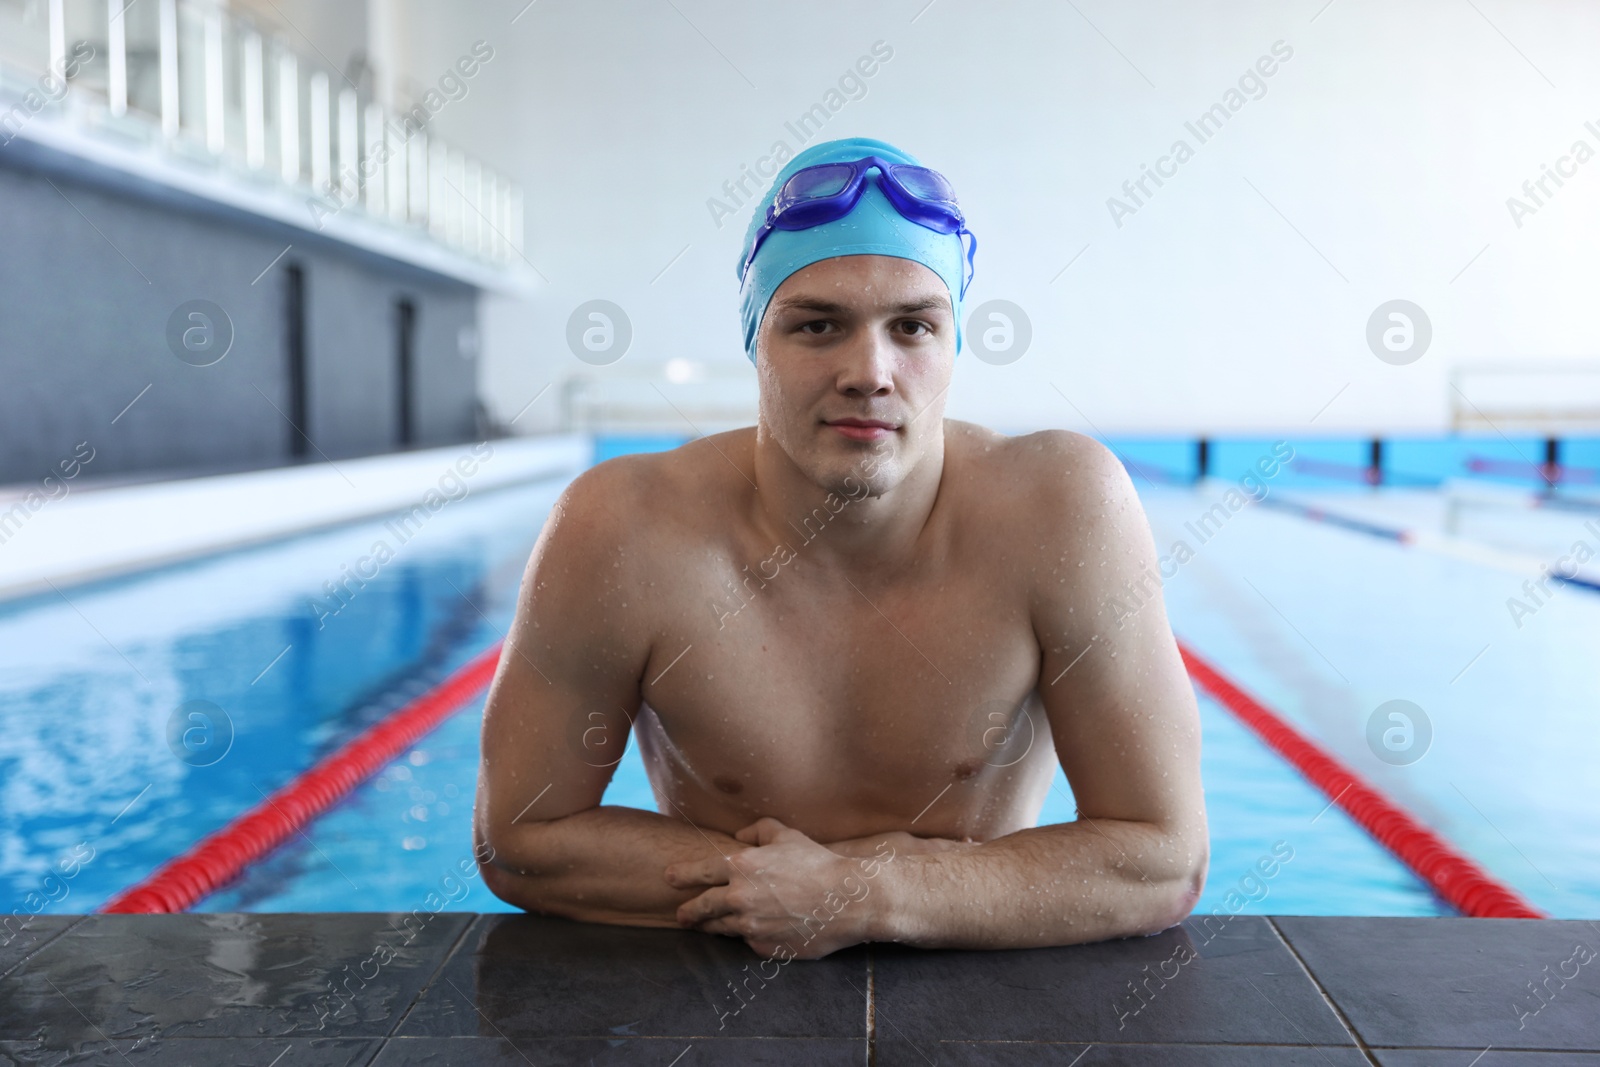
(1178, 894)
(504, 867)
(522, 889)
(1182, 898)
(503, 883)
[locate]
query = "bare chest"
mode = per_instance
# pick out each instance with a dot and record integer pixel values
(843, 708)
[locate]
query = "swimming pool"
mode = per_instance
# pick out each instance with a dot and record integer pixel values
(105, 772)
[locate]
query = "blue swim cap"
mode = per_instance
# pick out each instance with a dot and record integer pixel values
(873, 227)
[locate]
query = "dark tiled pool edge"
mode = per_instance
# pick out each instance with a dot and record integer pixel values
(357, 988)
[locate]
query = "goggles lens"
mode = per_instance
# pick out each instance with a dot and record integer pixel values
(828, 179)
(925, 184)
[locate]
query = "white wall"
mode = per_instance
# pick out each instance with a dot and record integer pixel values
(333, 31)
(1376, 166)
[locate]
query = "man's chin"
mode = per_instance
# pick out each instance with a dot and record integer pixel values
(858, 480)
(850, 468)
(857, 450)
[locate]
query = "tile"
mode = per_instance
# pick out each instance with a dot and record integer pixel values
(1052, 1054)
(1234, 983)
(533, 976)
(23, 935)
(115, 977)
(1458, 983)
(633, 1052)
(197, 1052)
(1457, 1057)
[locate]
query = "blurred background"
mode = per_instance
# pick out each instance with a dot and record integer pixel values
(285, 282)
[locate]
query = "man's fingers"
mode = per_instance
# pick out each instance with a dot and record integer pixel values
(763, 831)
(686, 873)
(722, 924)
(752, 834)
(712, 904)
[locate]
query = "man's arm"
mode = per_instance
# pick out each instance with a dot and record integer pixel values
(557, 721)
(899, 841)
(1127, 733)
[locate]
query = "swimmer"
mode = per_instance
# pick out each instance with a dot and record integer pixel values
(853, 641)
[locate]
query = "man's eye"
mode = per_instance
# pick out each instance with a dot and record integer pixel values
(814, 322)
(923, 325)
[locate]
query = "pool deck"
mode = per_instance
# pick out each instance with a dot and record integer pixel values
(453, 987)
(57, 535)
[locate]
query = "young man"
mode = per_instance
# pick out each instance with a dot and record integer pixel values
(852, 641)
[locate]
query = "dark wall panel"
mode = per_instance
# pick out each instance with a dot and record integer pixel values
(90, 278)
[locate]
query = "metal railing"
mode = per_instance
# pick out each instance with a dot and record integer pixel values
(1537, 396)
(678, 396)
(210, 85)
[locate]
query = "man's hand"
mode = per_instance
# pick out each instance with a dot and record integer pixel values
(785, 890)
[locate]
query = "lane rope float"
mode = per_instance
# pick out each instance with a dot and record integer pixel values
(218, 858)
(1454, 876)
(1549, 473)
(1440, 544)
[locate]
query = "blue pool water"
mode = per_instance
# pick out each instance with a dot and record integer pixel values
(89, 689)
(1321, 624)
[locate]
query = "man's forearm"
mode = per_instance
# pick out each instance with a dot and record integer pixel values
(601, 865)
(1061, 884)
(898, 840)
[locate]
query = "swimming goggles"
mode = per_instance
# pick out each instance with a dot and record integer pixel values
(829, 191)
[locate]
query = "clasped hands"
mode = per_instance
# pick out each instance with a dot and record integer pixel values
(785, 889)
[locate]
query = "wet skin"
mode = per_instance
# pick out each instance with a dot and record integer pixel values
(852, 656)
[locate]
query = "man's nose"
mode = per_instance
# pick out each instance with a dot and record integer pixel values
(868, 365)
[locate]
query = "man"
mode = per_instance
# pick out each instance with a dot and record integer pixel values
(851, 641)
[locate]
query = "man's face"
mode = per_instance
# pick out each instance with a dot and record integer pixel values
(853, 358)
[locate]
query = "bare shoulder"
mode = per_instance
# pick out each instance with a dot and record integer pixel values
(1043, 472)
(1066, 509)
(593, 513)
(635, 506)
(605, 560)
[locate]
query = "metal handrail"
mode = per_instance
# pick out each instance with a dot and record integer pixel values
(1548, 401)
(639, 397)
(257, 107)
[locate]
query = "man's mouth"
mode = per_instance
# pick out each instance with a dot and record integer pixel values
(862, 429)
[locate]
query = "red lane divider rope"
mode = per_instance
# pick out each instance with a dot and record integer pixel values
(182, 882)
(1453, 875)
(1329, 469)
(1549, 472)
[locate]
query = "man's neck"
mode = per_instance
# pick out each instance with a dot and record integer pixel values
(861, 534)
